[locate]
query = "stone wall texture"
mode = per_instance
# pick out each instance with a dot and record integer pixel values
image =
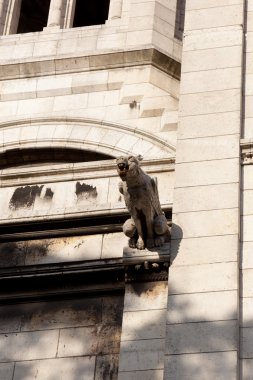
(170, 80)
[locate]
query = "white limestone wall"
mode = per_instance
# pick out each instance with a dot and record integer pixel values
(247, 132)
(202, 323)
(246, 257)
(246, 265)
(140, 97)
(142, 23)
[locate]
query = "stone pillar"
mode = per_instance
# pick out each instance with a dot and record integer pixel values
(115, 9)
(69, 14)
(12, 16)
(144, 315)
(1, 16)
(203, 325)
(55, 13)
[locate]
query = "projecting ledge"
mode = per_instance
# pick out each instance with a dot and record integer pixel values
(146, 265)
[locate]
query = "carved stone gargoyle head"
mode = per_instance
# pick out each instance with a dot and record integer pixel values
(128, 166)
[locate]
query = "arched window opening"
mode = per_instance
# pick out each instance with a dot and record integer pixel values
(33, 15)
(93, 12)
(45, 156)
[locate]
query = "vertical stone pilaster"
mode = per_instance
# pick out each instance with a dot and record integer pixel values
(202, 325)
(246, 258)
(144, 315)
(69, 14)
(12, 17)
(143, 331)
(55, 13)
(2, 16)
(115, 9)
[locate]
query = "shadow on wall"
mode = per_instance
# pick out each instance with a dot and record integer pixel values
(201, 335)
(193, 350)
(67, 339)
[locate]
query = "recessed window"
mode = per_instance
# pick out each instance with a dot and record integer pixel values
(94, 12)
(28, 157)
(33, 15)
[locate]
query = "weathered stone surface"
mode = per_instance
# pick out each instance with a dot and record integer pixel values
(64, 369)
(203, 278)
(246, 335)
(146, 296)
(141, 355)
(6, 371)
(89, 341)
(139, 375)
(214, 306)
(205, 366)
(62, 314)
(112, 308)
(247, 368)
(107, 367)
(201, 337)
(12, 254)
(204, 250)
(29, 345)
(148, 324)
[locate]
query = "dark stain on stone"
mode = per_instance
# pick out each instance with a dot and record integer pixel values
(24, 197)
(12, 254)
(49, 193)
(149, 290)
(107, 367)
(85, 191)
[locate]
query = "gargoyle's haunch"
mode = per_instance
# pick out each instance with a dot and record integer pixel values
(148, 225)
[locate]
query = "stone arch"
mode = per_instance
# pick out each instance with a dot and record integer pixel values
(77, 133)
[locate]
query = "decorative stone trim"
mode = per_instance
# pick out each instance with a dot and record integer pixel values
(75, 64)
(246, 152)
(66, 172)
(146, 265)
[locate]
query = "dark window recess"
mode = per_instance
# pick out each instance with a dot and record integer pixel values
(40, 156)
(33, 15)
(180, 15)
(93, 12)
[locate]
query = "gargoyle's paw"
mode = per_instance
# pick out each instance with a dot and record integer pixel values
(150, 243)
(132, 243)
(140, 244)
(159, 241)
(155, 265)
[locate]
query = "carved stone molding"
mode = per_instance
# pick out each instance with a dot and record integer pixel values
(246, 152)
(146, 265)
(73, 64)
(44, 281)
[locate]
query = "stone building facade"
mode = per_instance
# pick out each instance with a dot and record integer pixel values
(79, 86)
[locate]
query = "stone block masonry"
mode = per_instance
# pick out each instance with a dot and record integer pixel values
(77, 338)
(202, 325)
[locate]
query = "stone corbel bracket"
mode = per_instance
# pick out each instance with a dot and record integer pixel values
(146, 265)
(246, 151)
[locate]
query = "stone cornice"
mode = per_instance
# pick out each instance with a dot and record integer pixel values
(32, 282)
(69, 172)
(103, 61)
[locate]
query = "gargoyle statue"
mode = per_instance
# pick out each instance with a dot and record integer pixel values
(147, 227)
